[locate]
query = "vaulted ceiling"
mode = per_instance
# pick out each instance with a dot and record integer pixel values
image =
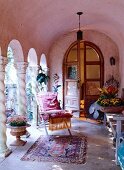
(38, 23)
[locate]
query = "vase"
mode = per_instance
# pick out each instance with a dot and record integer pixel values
(112, 109)
(18, 131)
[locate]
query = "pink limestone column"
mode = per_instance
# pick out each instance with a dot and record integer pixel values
(33, 70)
(4, 150)
(21, 70)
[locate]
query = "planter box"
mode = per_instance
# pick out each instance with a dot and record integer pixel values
(112, 109)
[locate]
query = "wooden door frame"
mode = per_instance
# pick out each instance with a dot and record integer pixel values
(86, 43)
(64, 67)
(101, 79)
(97, 49)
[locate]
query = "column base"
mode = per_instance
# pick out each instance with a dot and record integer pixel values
(6, 153)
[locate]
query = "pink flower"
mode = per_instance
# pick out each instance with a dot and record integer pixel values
(17, 120)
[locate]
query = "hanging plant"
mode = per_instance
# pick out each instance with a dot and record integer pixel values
(42, 77)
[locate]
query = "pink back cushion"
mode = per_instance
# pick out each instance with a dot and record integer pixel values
(48, 101)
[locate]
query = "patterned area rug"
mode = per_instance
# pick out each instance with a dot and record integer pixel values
(64, 149)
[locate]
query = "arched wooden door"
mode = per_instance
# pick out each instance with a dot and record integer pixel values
(83, 75)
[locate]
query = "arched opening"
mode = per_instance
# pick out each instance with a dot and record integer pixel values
(32, 57)
(17, 50)
(11, 85)
(43, 62)
(83, 75)
(14, 55)
(44, 70)
(31, 74)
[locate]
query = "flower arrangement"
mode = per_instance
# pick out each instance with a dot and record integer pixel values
(109, 91)
(110, 102)
(17, 120)
(108, 97)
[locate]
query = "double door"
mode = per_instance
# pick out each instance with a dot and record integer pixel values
(83, 75)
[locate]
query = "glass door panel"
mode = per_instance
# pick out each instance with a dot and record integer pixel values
(71, 80)
(91, 54)
(72, 72)
(92, 87)
(92, 71)
(72, 56)
(92, 75)
(72, 88)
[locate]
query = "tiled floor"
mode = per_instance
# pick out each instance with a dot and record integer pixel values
(100, 152)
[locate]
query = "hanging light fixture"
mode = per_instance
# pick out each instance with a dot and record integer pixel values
(79, 33)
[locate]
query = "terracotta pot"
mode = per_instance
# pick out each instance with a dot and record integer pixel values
(112, 109)
(18, 131)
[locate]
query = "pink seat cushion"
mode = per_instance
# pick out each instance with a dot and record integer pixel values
(61, 114)
(48, 101)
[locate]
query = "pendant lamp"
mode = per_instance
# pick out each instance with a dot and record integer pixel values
(79, 32)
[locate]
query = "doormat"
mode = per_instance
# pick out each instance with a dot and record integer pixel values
(64, 149)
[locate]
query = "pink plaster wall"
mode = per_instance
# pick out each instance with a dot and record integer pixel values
(107, 46)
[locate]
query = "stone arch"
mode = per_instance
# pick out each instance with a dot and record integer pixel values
(32, 57)
(20, 66)
(31, 85)
(17, 50)
(45, 69)
(43, 62)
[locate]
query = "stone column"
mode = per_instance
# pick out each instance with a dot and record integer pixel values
(21, 72)
(33, 72)
(4, 151)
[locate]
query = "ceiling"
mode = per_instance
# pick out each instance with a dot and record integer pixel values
(38, 23)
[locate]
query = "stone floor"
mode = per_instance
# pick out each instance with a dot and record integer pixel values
(100, 152)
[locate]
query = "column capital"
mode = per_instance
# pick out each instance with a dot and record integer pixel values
(21, 67)
(34, 68)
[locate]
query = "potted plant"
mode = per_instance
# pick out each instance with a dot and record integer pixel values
(109, 101)
(17, 120)
(42, 78)
(18, 125)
